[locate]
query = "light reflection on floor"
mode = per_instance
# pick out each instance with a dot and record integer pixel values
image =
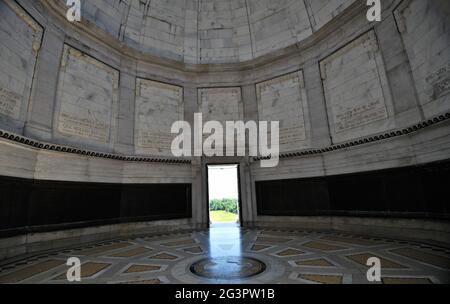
(225, 240)
(253, 256)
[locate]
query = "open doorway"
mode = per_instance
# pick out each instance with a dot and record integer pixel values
(223, 194)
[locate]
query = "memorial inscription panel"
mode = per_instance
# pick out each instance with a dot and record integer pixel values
(283, 99)
(220, 104)
(87, 92)
(158, 106)
(20, 40)
(353, 84)
(425, 30)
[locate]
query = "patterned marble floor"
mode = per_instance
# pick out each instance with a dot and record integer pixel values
(290, 257)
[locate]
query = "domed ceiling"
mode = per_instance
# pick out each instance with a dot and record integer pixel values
(211, 31)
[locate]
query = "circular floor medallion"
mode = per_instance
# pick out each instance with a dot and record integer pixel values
(228, 268)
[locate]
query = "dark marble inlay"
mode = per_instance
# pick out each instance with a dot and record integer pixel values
(228, 268)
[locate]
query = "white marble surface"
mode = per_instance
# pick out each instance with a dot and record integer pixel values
(158, 106)
(425, 29)
(212, 31)
(283, 99)
(88, 97)
(356, 89)
(393, 57)
(222, 105)
(20, 40)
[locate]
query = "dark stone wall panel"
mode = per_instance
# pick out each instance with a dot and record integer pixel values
(156, 201)
(420, 192)
(14, 195)
(36, 206)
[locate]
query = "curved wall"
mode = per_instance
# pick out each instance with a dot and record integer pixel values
(210, 31)
(77, 105)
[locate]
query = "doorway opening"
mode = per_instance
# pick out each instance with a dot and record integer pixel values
(223, 195)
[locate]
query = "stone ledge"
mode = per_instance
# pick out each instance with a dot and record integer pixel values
(369, 139)
(68, 149)
(433, 232)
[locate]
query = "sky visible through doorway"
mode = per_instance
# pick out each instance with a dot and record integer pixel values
(223, 182)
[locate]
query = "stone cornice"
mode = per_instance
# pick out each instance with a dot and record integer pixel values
(365, 140)
(83, 152)
(310, 152)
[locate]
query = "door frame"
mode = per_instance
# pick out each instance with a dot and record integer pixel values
(238, 172)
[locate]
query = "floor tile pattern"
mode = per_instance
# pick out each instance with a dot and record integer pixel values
(296, 257)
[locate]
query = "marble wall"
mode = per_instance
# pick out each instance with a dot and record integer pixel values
(96, 93)
(283, 99)
(223, 31)
(277, 24)
(211, 31)
(158, 106)
(222, 105)
(356, 89)
(154, 26)
(425, 30)
(353, 84)
(88, 98)
(20, 41)
(323, 11)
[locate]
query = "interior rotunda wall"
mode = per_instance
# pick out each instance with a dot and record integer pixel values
(87, 107)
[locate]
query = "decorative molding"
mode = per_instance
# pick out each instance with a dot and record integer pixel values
(68, 149)
(358, 142)
(365, 140)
